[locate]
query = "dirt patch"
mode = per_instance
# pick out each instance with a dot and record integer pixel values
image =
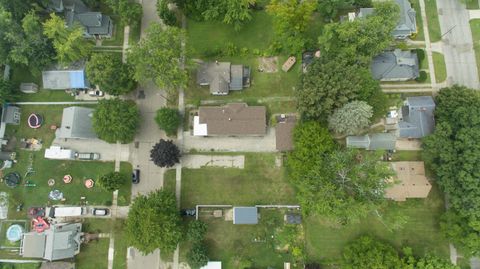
(268, 64)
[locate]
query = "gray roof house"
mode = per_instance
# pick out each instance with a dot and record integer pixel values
(384, 141)
(74, 78)
(245, 215)
(76, 123)
(223, 77)
(416, 117)
(10, 115)
(407, 24)
(60, 241)
(397, 65)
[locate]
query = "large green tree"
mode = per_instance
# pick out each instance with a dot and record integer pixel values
(368, 253)
(112, 181)
(130, 12)
(351, 118)
(107, 71)
(291, 20)
(158, 57)
(7, 91)
(116, 120)
(154, 222)
(69, 42)
(453, 152)
(168, 119)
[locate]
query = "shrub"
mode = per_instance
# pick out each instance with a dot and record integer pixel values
(168, 119)
(422, 77)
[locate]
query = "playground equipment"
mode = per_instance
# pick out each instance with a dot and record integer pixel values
(29, 183)
(39, 224)
(14, 233)
(55, 195)
(51, 182)
(30, 166)
(12, 179)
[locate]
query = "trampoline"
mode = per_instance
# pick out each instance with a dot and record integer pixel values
(14, 233)
(12, 179)
(55, 195)
(35, 121)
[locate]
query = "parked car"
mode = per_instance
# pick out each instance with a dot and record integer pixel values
(95, 93)
(192, 212)
(136, 176)
(100, 211)
(87, 156)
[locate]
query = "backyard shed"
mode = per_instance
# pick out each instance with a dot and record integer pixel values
(28, 87)
(245, 215)
(384, 141)
(410, 181)
(76, 123)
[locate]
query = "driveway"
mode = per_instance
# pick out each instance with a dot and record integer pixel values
(135, 259)
(231, 144)
(405, 144)
(457, 43)
(107, 151)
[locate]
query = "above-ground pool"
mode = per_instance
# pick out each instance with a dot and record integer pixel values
(14, 233)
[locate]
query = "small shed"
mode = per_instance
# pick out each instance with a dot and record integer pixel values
(245, 215)
(28, 87)
(292, 218)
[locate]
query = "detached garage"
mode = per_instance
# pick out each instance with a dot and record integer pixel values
(245, 215)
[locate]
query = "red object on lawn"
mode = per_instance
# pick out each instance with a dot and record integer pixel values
(39, 224)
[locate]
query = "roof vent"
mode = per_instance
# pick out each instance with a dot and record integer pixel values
(230, 119)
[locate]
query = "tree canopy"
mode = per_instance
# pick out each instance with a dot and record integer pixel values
(7, 91)
(168, 119)
(157, 57)
(453, 151)
(154, 222)
(69, 42)
(168, 17)
(351, 118)
(130, 12)
(116, 120)
(108, 72)
(112, 181)
(165, 153)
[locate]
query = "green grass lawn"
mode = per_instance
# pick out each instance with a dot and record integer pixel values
(420, 35)
(440, 68)
(117, 38)
(407, 155)
(20, 265)
(475, 26)
(471, 4)
(93, 255)
(433, 22)
(121, 245)
(421, 232)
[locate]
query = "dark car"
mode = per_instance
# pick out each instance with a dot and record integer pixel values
(136, 176)
(100, 211)
(191, 212)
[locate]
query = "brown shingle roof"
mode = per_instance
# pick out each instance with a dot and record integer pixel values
(234, 119)
(412, 182)
(284, 132)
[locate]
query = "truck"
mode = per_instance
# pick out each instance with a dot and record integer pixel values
(65, 211)
(87, 156)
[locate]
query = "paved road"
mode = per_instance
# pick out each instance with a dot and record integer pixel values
(457, 44)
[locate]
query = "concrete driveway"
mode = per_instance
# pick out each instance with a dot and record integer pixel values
(231, 144)
(108, 152)
(457, 43)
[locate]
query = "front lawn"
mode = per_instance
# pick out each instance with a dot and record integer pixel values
(440, 68)
(433, 21)
(93, 255)
(475, 27)
(420, 35)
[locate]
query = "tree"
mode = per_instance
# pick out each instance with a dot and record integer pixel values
(237, 12)
(331, 83)
(129, 12)
(352, 118)
(329, 8)
(367, 253)
(112, 181)
(453, 152)
(291, 19)
(165, 153)
(69, 42)
(154, 222)
(197, 256)
(116, 120)
(168, 17)
(158, 57)
(168, 119)
(196, 231)
(7, 91)
(358, 41)
(108, 72)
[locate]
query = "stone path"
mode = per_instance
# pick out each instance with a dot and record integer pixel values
(195, 161)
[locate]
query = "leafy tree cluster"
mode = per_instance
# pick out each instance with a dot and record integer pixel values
(154, 222)
(112, 181)
(329, 84)
(116, 120)
(367, 252)
(453, 151)
(168, 17)
(351, 118)
(7, 91)
(232, 12)
(158, 57)
(291, 19)
(197, 255)
(109, 72)
(329, 8)
(130, 12)
(165, 153)
(168, 119)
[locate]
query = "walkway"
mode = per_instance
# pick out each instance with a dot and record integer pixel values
(56, 103)
(428, 46)
(126, 37)
(457, 43)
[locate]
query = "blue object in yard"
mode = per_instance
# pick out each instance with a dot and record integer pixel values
(77, 79)
(14, 233)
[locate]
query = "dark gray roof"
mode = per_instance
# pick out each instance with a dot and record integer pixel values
(372, 141)
(95, 23)
(292, 218)
(417, 119)
(223, 77)
(76, 123)
(395, 65)
(10, 114)
(245, 215)
(407, 24)
(236, 73)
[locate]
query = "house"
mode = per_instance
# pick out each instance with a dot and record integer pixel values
(10, 115)
(60, 241)
(385, 141)
(74, 78)
(76, 123)
(416, 118)
(410, 181)
(245, 215)
(234, 119)
(395, 65)
(96, 24)
(284, 132)
(212, 265)
(223, 77)
(407, 24)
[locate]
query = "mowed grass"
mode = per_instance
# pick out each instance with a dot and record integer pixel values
(475, 27)
(420, 35)
(421, 231)
(93, 255)
(471, 4)
(440, 67)
(433, 22)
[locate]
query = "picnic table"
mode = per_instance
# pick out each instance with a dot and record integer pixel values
(289, 63)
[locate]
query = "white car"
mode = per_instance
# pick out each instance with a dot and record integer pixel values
(96, 93)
